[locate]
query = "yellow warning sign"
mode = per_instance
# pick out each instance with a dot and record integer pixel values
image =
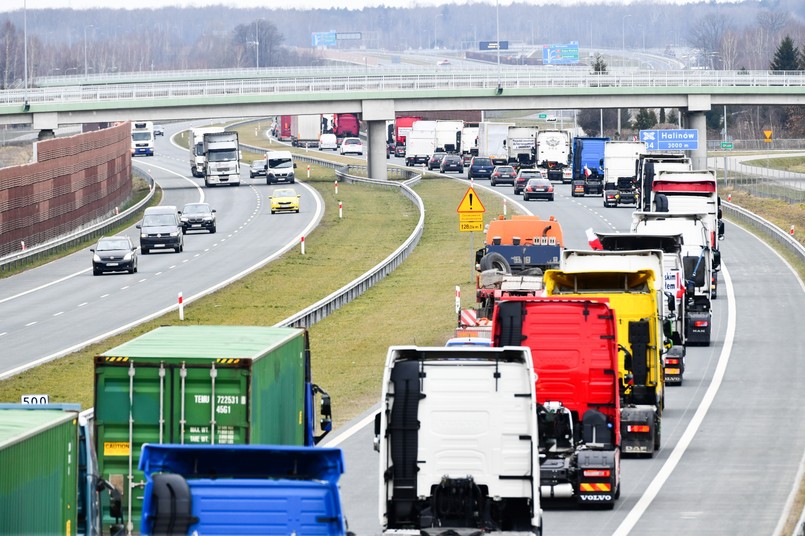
(116, 448)
(470, 202)
(767, 135)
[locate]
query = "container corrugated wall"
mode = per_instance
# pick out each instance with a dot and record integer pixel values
(38, 472)
(197, 385)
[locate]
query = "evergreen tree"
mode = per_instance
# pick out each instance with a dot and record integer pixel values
(785, 58)
(599, 65)
(673, 116)
(644, 119)
(662, 115)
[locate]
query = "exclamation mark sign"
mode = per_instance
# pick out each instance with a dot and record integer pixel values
(470, 200)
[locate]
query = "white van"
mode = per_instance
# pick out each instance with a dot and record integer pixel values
(328, 141)
(280, 167)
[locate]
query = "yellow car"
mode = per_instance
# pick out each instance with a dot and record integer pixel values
(284, 199)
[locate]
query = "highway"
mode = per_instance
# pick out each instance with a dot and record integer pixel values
(728, 460)
(730, 454)
(57, 308)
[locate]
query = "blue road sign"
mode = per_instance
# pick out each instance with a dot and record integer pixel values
(560, 54)
(323, 39)
(670, 140)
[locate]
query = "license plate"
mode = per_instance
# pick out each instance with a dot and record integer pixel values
(159, 245)
(111, 264)
(196, 225)
(672, 371)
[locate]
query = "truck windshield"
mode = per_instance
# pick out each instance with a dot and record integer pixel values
(274, 163)
(141, 136)
(222, 156)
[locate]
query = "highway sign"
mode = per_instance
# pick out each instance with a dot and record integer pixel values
(670, 140)
(322, 39)
(542, 116)
(560, 54)
(470, 203)
(726, 145)
(493, 45)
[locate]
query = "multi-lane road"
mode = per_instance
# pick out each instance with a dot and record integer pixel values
(59, 307)
(732, 438)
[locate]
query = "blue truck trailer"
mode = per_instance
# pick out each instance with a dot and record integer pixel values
(588, 166)
(242, 489)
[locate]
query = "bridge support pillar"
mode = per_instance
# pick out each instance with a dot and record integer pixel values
(698, 105)
(46, 134)
(698, 121)
(375, 113)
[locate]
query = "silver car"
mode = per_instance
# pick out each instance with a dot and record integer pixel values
(258, 168)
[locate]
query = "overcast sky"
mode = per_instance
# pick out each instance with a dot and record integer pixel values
(12, 5)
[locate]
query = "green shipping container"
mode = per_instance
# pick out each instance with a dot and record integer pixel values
(197, 385)
(38, 472)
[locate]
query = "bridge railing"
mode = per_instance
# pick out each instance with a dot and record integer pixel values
(326, 81)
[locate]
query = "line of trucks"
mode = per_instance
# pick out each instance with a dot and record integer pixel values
(307, 130)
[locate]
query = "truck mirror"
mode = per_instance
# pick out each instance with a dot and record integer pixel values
(294, 165)
(376, 442)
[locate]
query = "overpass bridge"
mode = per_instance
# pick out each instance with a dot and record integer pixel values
(380, 93)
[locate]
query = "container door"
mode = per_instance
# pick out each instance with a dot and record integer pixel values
(210, 406)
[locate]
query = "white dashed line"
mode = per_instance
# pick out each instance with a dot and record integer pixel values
(104, 296)
(59, 313)
(82, 304)
(30, 324)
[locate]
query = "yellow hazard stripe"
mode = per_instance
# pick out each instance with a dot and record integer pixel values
(593, 487)
(110, 359)
(227, 361)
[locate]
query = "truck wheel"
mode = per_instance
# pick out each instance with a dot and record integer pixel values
(494, 261)
(661, 203)
(657, 435)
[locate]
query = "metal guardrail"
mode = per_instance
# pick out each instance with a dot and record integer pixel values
(767, 229)
(97, 228)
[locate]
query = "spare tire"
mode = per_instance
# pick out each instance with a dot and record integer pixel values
(494, 261)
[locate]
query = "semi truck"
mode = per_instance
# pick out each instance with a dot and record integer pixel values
(620, 164)
(673, 290)
(346, 126)
(631, 291)
(492, 141)
(458, 441)
(241, 489)
(698, 262)
(588, 166)
(469, 143)
(51, 483)
(197, 160)
(142, 138)
(553, 155)
(419, 146)
(575, 356)
(448, 135)
(399, 133)
(305, 130)
(202, 385)
(649, 165)
(284, 128)
(515, 254)
(221, 158)
(521, 145)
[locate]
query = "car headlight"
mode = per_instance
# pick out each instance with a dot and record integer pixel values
(183, 219)
(96, 258)
(143, 235)
(128, 256)
(207, 218)
(175, 233)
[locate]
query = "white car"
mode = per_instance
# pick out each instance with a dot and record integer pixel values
(328, 141)
(352, 146)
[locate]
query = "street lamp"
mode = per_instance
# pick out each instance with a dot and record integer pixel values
(85, 47)
(435, 37)
(497, 25)
(25, 45)
(623, 39)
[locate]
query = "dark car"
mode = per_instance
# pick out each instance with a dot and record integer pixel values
(114, 254)
(159, 130)
(161, 229)
(451, 162)
(257, 168)
(538, 189)
(480, 167)
(522, 178)
(197, 217)
(501, 174)
(435, 160)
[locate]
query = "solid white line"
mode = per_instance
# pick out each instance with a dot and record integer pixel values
(65, 278)
(352, 430)
(690, 432)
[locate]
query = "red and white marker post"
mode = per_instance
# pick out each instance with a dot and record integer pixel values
(181, 307)
(302, 245)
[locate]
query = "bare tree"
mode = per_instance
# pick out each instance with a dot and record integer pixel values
(707, 34)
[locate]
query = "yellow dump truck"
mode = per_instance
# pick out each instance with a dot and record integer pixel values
(631, 290)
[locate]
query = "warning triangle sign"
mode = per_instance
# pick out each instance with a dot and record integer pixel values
(470, 203)
(767, 134)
